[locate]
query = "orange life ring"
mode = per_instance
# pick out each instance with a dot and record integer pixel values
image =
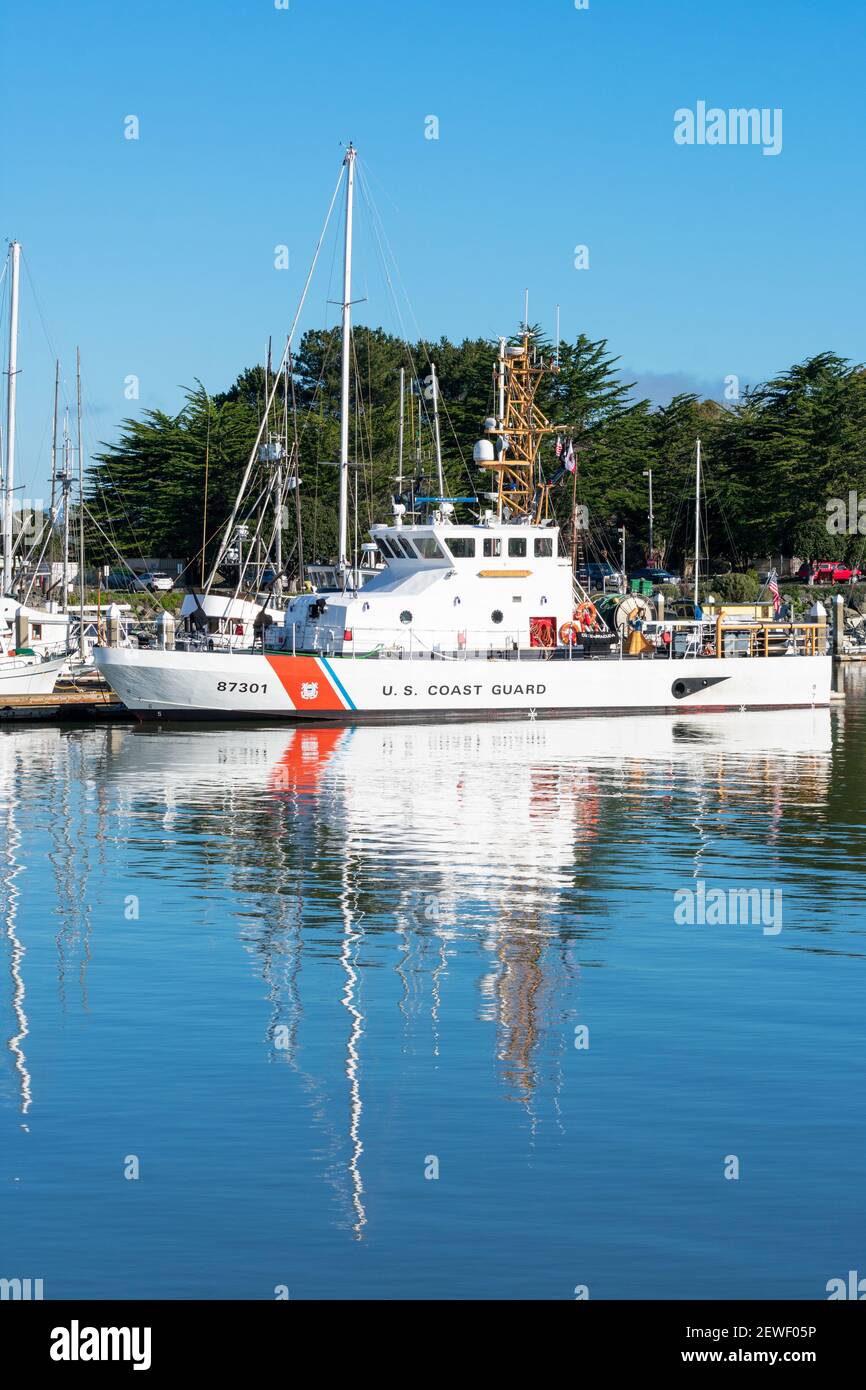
(586, 616)
(569, 633)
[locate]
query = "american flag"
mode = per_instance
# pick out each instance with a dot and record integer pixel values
(773, 586)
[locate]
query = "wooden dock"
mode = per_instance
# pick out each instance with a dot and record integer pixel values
(83, 702)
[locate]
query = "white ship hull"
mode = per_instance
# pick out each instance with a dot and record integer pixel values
(214, 685)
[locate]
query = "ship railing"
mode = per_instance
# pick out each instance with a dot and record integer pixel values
(579, 593)
(770, 637)
(683, 637)
(731, 638)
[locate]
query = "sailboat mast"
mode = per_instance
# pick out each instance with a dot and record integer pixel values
(440, 478)
(15, 255)
(697, 519)
(347, 354)
(54, 445)
(81, 643)
(67, 475)
(400, 432)
(282, 456)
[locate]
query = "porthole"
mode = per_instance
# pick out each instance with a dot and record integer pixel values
(405, 616)
(496, 615)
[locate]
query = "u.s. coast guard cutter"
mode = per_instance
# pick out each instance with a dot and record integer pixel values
(469, 621)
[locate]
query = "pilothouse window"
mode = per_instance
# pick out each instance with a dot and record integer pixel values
(492, 547)
(517, 546)
(429, 548)
(462, 547)
(406, 549)
(544, 547)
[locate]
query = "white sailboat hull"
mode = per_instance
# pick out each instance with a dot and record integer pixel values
(33, 678)
(220, 685)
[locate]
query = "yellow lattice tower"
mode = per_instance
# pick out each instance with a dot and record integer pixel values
(520, 429)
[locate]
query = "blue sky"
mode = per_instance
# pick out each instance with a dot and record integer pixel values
(555, 129)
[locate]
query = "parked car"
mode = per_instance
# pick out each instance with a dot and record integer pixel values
(599, 572)
(157, 582)
(827, 572)
(655, 576)
(124, 582)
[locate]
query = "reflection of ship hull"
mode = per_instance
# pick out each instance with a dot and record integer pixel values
(205, 685)
(195, 765)
(543, 782)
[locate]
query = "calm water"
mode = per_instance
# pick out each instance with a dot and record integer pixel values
(290, 973)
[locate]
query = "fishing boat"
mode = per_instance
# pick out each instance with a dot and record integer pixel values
(471, 620)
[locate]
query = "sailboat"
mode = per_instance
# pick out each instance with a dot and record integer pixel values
(22, 671)
(480, 620)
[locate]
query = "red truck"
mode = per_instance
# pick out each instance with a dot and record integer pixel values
(827, 572)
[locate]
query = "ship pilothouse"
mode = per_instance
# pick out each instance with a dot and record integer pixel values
(446, 589)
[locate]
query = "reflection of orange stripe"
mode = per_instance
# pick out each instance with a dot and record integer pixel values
(304, 760)
(295, 672)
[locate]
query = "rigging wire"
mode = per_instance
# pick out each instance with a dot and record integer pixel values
(286, 350)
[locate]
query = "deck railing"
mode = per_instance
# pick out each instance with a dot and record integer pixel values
(678, 638)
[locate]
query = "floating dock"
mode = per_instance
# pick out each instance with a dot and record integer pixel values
(78, 703)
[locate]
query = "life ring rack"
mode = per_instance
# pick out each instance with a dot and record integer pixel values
(586, 616)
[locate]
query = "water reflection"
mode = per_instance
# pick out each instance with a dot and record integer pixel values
(354, 848)
(12, 868)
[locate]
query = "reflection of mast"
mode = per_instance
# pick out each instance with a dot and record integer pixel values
(350, 939)
(83, 871)
(12, 840)
(62, 859)
(517, 987)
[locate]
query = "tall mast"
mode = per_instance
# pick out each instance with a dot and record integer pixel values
(501, 382)
(283, 454)
(400, 432)
(697, 519)
(54, 445)
(81, 644)
(398, 513)
(347, 354)
(15, 255)
(296, 470)
(440, 477)
(519, 431)
(204, 501)
(66, 484)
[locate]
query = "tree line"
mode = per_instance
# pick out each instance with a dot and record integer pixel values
(774, 459)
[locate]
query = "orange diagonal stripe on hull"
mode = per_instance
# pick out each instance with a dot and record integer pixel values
(300, 676)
